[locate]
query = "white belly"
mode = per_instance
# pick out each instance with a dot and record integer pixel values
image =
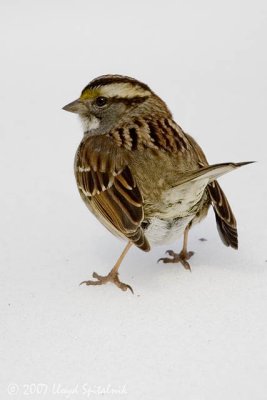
(161, 231)
(178, 207)
(182, 200)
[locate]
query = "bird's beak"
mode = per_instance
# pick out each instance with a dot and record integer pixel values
(77, 107)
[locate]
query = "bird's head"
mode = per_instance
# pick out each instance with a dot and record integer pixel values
(110, 99)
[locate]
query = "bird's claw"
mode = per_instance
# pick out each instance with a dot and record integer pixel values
(170, 252)
(111, 277)
(182, 258)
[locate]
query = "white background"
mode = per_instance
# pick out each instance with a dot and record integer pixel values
(196, 336)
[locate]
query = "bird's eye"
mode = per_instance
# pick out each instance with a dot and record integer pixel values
(101, 101)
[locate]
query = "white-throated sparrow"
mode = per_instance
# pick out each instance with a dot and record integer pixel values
(137, 171)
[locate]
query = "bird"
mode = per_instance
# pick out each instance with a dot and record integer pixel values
(145, 179)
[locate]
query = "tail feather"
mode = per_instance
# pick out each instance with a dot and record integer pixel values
(227, 233)
(211, 172)
(226, 222)
(225, 219)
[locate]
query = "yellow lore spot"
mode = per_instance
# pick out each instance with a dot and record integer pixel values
(90, 94)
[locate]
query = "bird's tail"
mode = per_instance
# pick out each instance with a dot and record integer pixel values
(225, 219)
(212, 172)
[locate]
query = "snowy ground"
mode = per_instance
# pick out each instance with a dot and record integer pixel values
(193, 336)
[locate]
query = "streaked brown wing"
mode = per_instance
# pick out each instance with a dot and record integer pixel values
(109, 189)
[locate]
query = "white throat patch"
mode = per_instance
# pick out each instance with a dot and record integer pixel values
(90, 124)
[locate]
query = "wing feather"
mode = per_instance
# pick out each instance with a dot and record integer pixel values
(108, 188)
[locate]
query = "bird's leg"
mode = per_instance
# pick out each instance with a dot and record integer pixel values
(113, 276)
(183, 256)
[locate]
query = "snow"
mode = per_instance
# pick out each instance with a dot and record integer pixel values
(194, 336)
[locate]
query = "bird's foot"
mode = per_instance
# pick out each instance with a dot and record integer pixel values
(182, 257)
(111, 277)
